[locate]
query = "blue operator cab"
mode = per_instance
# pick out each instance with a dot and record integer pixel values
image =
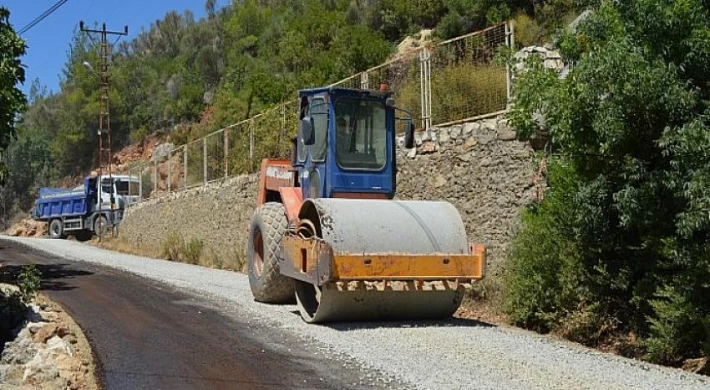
(346, 146)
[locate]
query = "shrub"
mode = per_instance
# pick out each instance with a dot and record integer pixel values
(527, 31)
(29, 282)
(173, 246)
(622, 242)
(679, 328)
(450, 26)
(193, 250)
(138, 135)
(542, 258)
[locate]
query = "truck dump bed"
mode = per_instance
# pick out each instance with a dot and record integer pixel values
(60, 202)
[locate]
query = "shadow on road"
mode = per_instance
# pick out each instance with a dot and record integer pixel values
(452, 322)
(55, 277)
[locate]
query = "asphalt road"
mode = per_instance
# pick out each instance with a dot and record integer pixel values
(149, 335)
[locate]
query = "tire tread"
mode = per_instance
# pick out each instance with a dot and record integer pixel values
(271, 286)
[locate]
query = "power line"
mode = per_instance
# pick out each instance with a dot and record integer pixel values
(42, 16)
(104, 156)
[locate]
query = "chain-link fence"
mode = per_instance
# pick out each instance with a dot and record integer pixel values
(451, 81)
(402, 76)
(465, 80)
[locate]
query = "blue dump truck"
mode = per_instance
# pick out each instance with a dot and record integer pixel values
(85, 210)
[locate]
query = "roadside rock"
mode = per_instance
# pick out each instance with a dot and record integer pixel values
(28, 228)
(698, 366)
(48, 352)
(45, 333)
(161, 151)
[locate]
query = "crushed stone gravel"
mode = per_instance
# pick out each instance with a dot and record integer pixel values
(450, 354)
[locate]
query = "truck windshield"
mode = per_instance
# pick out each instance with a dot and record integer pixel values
(127, 187)
(360, 134)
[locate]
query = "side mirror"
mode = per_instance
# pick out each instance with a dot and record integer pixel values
(409, 136)
(389, 102)
(307, 134)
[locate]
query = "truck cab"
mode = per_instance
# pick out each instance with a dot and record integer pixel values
(124, 186)
(346, 144)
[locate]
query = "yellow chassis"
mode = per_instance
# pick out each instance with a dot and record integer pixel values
(312, 260)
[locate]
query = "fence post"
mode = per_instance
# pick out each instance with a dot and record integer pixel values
(184, 167)
(226, 153)
(364, 80)
(204, 161)
(422, 98)
(283, 141)
(140, 183)
(169, 171)
(509, 42)
(251, 143)
(425, 80)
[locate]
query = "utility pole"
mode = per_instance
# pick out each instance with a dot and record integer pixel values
(104, 121)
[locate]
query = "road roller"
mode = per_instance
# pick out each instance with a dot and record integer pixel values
(328, 233)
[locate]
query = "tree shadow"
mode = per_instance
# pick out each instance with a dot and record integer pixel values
(54, 277)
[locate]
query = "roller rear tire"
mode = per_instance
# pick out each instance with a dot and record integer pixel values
(266, 230)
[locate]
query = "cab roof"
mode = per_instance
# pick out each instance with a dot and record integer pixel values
(379, 94)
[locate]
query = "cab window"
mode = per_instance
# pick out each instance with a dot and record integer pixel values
(319, 113)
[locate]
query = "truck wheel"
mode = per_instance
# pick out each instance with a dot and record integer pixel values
(101, 226)
(267, 228)
(56, 228)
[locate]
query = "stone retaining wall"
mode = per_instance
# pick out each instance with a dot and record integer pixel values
(218, 215)
(480, 167)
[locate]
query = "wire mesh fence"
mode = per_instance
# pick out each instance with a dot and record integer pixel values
(269, 136)
(450, 81)
(238, 147)
(465, 80)
(402, 76)
(195, 163)
(214, 156)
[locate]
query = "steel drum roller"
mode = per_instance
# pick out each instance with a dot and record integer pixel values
(381, 227)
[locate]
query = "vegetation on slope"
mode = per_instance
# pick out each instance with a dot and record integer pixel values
(12, 100)
(621, 243)
(226, 67)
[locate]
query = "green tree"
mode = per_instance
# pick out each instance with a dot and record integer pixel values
(625, 226)
(12, 100)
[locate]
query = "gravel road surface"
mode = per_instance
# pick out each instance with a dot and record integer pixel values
(452, 354)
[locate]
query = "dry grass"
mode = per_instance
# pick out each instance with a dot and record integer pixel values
(484, 302)
(120, 244)
(205, 256)
(459, 90)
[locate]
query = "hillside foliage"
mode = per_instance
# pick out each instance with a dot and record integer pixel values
(12, 100)
(228, 66)
(620, 246)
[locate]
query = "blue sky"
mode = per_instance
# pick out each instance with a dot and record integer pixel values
(48, 41)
